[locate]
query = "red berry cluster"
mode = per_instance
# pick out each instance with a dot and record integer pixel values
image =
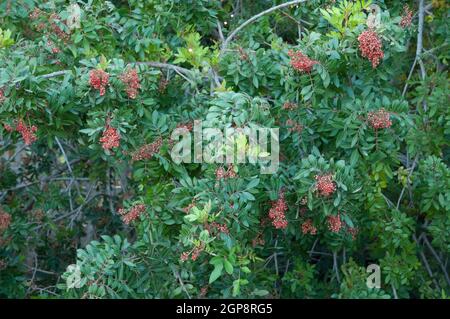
(325, 185)
(27, 132)
(36, 13)
(406, 17)
(370, 47)
(8, 127)
(132, 214)
(131, 80)
(277, 212)
(56, 29)
(353, 232)
(2, 96)
(51, 45)
(242, 54)
(258, 241)
(195, 253)
(379, 119)
(217, 228)
(301, 62)
(185, 126)
(163, 83)
(334, 223)
(289, 106)
(5, 220)
(110, 138)
(99, 79)
(188, 208)
(221, 173)
(294, 126)
(308, 227)
(147, 151)
(203, 291)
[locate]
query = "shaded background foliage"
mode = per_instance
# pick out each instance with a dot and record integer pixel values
(63, 197)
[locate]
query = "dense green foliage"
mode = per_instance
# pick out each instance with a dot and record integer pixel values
(363, 176)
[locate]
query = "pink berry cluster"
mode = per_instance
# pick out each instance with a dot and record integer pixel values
(54, 48)
(162, 85)
(27, 132)
(379, 119)
(217, 228)
(51, 24)
(371, 47)
(294, 126)
(99, 80)
(258, 241)
(334, 223)
(277, 212)
(406, 17)
(301, 62)
(110, 138)
(35, 14)
(5, 220)
(325, 184)
(289, 106)
(148, 150)
(185, 126)
(195, 253)
(353, 232)
(132, 83)
(55, 29)
(132, 214)
(221, 173)
(2, 96)
(309, 228)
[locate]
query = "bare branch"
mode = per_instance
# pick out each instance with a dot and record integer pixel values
(254, 18)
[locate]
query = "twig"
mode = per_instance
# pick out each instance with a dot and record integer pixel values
(426, 264)
(407, 181)
(336, 267)
(161, 65)
(177, 275)
(219, 29)
(108, 190)
(419, 49)
(443, 268)
(394, 291)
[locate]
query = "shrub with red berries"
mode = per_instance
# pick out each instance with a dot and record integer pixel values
(99, 80)
(5, 220)
(28, 132)
(301, 62)
(110, 138)
(379, 119)
(147, 151)
(370, 47)
(406, 17)
(325, 185)
(277, 212)
(349, 107)
(129, 215)
(131, 81)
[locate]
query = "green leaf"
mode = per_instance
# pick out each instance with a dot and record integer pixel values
(216, 273)
(228, 266)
